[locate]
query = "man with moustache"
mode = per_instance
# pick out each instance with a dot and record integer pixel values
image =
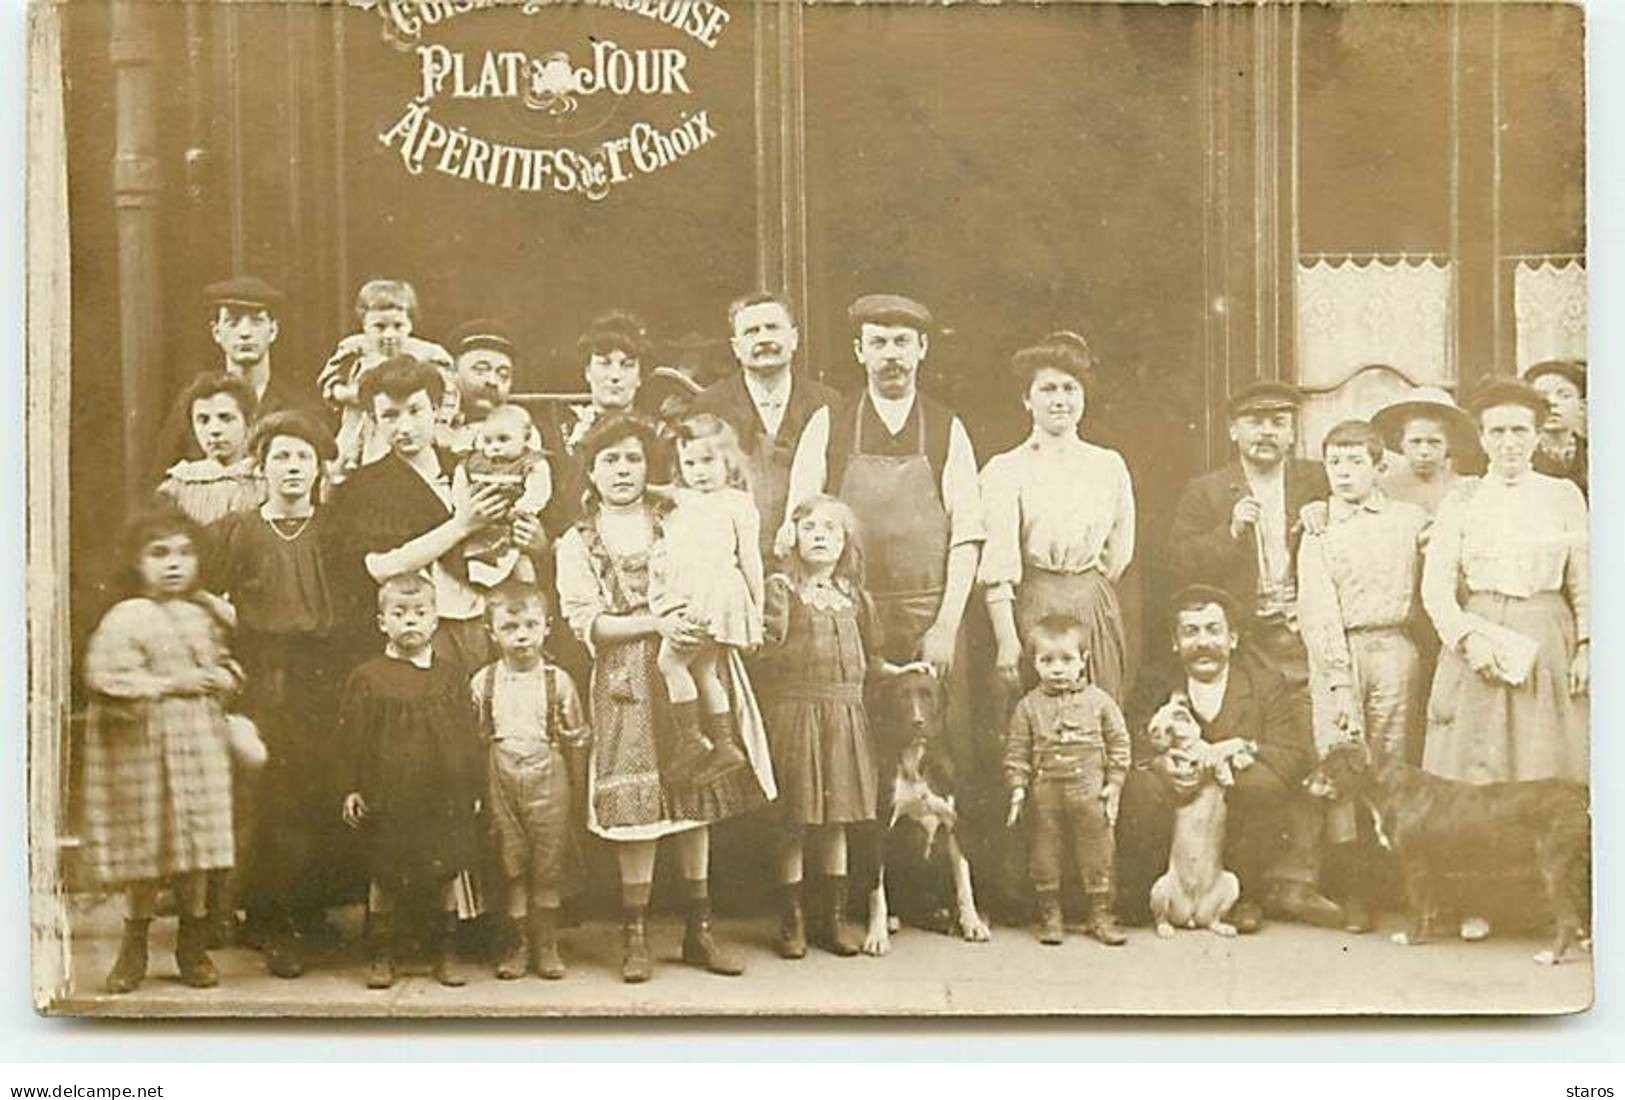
(766, 401)
(1238, 529)
(243, 324)
(1245, 710)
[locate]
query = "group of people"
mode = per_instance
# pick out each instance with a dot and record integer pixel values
(360, 621)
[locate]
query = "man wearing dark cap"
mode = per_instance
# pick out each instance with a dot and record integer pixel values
(1562, 451)
(1237, 529)
(244, 326)
(904, 465)
(482, 358)
(766, 401)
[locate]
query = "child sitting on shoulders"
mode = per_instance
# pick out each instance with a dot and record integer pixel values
(530, 717)
(1068, 754)
(221, 409)
(407, 722)
(503, 458)
(386, 309)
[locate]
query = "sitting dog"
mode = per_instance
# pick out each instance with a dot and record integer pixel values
(1439, 827)
(1196, 891)
(920, 848)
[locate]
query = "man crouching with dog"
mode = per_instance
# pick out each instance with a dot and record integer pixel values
(1245, 709)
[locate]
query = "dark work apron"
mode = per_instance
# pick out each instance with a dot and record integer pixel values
(905, 532)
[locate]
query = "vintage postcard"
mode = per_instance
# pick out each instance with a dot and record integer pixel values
(709, 507)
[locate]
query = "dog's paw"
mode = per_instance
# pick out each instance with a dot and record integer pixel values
(1403, 939)
(877, 944)
(1220, 928)
(1546, 958)
(894, 924)
(1165, 930)
(974, 928)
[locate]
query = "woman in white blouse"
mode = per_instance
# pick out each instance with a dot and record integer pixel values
(1509, 697)
(1060, 523)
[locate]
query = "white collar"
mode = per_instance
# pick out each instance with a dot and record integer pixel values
(424, 658)
(893, 411)
(1207, 699)
(778, 389)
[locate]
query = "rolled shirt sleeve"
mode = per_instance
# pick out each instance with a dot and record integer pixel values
(580, 600)
(961, 495)
(810, 465)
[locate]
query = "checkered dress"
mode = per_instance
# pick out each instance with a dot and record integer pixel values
(157, 773)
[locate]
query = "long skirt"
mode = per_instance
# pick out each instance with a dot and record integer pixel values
(1483, 731)
(1089, 598)
(157, 789)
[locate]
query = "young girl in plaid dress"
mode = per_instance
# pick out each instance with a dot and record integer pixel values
(157, 770)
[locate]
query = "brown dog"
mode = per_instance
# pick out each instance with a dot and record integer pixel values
(1438, 827)
(1196, 891)
(917, 793)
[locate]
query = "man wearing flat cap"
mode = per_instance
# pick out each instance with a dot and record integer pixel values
(1562, 450)
(243, 322)
(1437, 444)
(1237, 529)
(482, 352)
(766, 401)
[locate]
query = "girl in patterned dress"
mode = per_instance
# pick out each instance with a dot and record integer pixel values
(707, 567)
(818, 654)
(221, 409)
(632, 798)
(157, 770)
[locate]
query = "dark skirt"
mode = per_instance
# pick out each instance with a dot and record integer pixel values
(1089, 598)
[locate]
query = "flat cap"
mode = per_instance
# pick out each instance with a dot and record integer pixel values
(482, 332)
(889, 309)
(1572, 369)
(1265, 396)
(244, 290)
(1200, 595)
(1507, 391)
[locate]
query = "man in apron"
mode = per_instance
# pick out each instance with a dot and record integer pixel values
(904, 464)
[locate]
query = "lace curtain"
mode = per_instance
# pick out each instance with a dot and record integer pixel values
(1368, 331)
(1549, 303)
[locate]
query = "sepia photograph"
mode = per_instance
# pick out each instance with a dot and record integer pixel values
(729, 508)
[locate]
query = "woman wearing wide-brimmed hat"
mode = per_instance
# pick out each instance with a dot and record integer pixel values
(1509, 696)
(1438, 443)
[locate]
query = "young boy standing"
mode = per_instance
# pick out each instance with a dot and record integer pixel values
(528, 712)
(1067, 753)
(406, 719)
(1357, 594)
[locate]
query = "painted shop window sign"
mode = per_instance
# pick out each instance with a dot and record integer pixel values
(571, 86)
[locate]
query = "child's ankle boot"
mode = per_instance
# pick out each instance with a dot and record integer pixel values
(130, 969)
(835, 938)
(791, 942)
(516, 960)
(1103, 922)
(446, 971)
(545, 959)
(192, 954)
(699, 948)
(1049, 927)
(635, 963)
(726, 752)
(690, 749)
(380, 950)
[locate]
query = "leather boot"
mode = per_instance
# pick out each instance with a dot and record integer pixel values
(726, 752)
(690, 749)
(791, 942)
(192, 954)
(1301, 902)
(699, 949)
(835, 939)
(380, 950)
(545, 959)
(446, 970)
(285, 954)
(130, 969)
(1103, 922)
(516, 960)
(635, 963)
(1049, 929)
